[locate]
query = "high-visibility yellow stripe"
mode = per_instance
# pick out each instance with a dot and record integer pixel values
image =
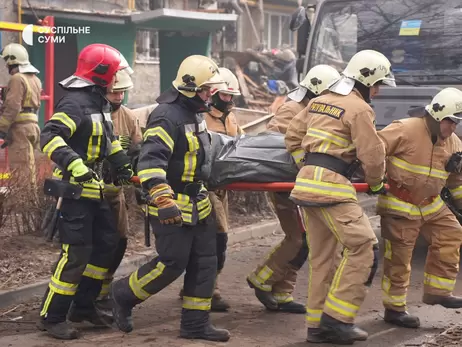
(456, 193)
(56, 275)
(298, 155)
(27, 102)
(283, 298)
(137, 284)
(66, 120)
(325, 135)
(304, 185)
(162, 134)
(148, 174)
(55, 143)
(95, 272)
(94, 142)
(313, 316)
(190, 158)
(439, 282)
(394, 300)
(200, 304)
(259, 279)
(391, 203)
(418, 169)
(342, 307)
(89, 190)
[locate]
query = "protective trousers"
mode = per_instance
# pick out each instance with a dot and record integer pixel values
(89, 237)
(339, 292)
(23, 139)
(119, 208)
(179, 248)
(444, 235)
(219, 200)
(279, 272)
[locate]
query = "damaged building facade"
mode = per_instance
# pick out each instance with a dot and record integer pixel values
(154, 35)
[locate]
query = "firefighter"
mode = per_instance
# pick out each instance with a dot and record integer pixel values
(79, 135)
(274, 280)
(128, 131)
(221, 119)
(334, 130)
(421, 153)
(174, 162)
(18, 115)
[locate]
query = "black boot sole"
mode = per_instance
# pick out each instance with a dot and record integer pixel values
(206, 338)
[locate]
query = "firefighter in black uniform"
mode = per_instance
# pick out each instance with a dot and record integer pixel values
(77, 137)
(173, 164)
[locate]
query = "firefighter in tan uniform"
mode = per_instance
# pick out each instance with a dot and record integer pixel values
(18, 114)
(274, 280)
(127, 128)
(221, 120)
(334, 130)
(420, 153)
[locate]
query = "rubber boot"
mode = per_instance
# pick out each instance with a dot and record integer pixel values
(449, 301)
(196, 324)
(93, 316)
(401, 319)
(60, 331)
(123, 300)
(266, 298)
(219, 304)
(315, 335)
(292, 307)
(341, 333)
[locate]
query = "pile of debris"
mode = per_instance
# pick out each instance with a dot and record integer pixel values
(450, 337)
(265, 78)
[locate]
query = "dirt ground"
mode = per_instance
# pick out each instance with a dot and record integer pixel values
(25, 259)
(157, 320)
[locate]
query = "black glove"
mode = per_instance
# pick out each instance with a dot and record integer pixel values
(377, 190)
(454, 163)
(124, 174)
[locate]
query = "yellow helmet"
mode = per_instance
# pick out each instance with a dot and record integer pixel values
(15, 54)
(194, 72)
(231, 85)
(319, 78)
(446, 104)
(124, 81)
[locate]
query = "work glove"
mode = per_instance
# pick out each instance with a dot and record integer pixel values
(167, 210)
(377, 190)
(124, 174)
(82, 174)
(125, 141)
(454, 163)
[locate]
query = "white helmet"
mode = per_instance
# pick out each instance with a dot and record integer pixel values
(316, 80)
(368, 67)
(124, 81)
(16, 54)
(125, 66)
(446, 104)
(231, 85)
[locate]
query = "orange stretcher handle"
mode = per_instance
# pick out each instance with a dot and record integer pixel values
(269, 187)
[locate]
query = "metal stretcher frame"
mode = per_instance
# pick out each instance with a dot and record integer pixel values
(46, 24)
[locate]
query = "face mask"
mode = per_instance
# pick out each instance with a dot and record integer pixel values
(221, 105)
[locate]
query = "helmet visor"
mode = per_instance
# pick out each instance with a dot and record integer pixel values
(456, 117)
(215, 79)
(389, 80)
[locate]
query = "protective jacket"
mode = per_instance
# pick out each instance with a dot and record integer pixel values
(416, 170)
(218, 122)
(334, 130)
(176, 151)
(22, 100)
(80, 128)
(284, 114)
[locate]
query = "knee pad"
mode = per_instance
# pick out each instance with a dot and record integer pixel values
(375, 265)
(301, 256)
(222, 242)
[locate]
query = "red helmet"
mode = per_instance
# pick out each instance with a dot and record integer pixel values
(98, 63)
